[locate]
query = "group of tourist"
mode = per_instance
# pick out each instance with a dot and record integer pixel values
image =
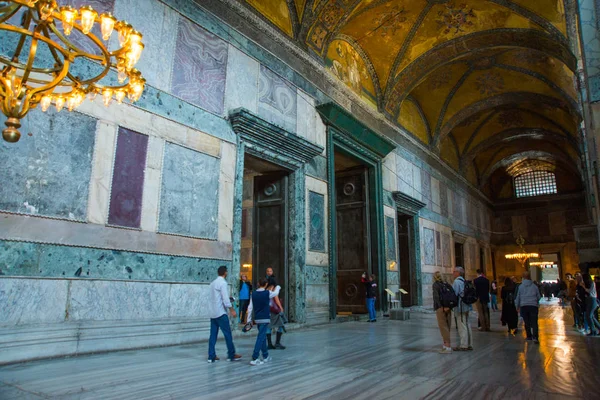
(455, 302)
(584, 295)
(261, 308)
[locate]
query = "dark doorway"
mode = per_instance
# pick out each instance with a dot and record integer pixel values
(494, 265)
(459, 255)
(407, 266)
(265, 216)
(353, 239)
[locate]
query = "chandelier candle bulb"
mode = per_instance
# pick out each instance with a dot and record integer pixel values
(59, 103)
(124, 29)
(69, 15)
(45, 102)
(120, 95)
(107, 25)
(88, 17)
(107, 97)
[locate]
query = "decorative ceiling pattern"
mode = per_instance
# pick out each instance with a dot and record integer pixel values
(477, 81)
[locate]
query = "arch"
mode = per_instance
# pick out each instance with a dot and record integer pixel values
(514, 134)
(498, 101)
(415, 72)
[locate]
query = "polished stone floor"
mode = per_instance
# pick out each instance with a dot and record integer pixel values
(355, 360)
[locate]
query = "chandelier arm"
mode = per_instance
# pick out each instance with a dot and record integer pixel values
(48, 41)
(25, 25)
(54, 83)
(30, 59)
(7, 13)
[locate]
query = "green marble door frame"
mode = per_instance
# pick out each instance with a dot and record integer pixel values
(271, 143)
(407, 205)
(347, 135)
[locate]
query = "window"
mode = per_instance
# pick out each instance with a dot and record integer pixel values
(535, 183)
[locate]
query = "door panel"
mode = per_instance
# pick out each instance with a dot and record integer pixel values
(353, 249)
(270, 229)
(406, 266)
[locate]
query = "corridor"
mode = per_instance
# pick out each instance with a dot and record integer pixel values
(357, 360)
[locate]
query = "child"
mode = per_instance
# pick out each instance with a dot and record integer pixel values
(259, 313)
(371, 288)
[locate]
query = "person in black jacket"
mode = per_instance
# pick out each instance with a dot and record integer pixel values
(482, 288)
(509, 316)
(443, 314)
(371, 289)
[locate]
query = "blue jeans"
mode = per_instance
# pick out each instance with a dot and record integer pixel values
(371, 308)
(223, 323)
(261, 342)
(494, 303)
(590, 314)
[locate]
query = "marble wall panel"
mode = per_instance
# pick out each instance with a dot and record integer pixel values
(158, 23)
(317, 168)
(443, 200)
(435, 195)
(317, 296)
(277, 99)
(104, 152)
(316, 209)
(446, 250)
(404, 171)
(201, 60)
(417, 183)
(151, 196)
(390, 239)
(190, 193)
(428, 246)
(25, 301)
(189, 301)
(426, 186)
(48, 173)
(242, 81)
(307, 117)
(226, 189)
(316, 275)
(110, 300)
(45, 260)
(128, 179)
(393, 278)
(438, 248)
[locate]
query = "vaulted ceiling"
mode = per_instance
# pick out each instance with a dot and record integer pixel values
(486, 84)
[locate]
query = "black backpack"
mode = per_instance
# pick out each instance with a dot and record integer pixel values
(448, 298)
(510, 298)
(469, 293)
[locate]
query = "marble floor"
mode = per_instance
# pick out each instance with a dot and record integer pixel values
(355, 360)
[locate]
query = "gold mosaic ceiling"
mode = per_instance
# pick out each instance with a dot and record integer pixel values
(478, 81)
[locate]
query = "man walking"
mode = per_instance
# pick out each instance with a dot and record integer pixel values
(217, 308)
(527, 303)
(461, 312)
(482, 288)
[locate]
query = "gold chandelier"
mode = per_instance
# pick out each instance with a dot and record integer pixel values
(26, 82)
(523, 256)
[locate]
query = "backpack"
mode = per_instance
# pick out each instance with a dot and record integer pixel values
(510, 298)
(448, 298)
(469, 293)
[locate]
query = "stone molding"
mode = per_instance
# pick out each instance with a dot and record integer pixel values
(269, 141)
(407, 203)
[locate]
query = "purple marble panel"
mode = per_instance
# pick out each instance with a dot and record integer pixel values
(128, 179)
(200, 67)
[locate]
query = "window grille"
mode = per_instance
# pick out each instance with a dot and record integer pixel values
(535, 183)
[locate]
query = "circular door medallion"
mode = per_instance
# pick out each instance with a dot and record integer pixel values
(349, 189)
(270, 190)
(351, 290)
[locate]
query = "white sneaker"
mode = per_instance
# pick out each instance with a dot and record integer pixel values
(256, 362)
(268, 359)
(446, 350)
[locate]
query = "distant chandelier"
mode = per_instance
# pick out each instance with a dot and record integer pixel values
(541, 263)
(55, 76)
(523, 256)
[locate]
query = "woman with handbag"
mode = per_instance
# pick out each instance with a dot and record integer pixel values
(277, 318)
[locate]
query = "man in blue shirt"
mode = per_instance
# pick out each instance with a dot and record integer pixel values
(245, 290)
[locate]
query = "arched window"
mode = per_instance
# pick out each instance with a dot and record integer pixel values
(535, 183)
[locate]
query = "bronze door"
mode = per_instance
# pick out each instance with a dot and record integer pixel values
(406, 266)
(270, 229)
(353, 239)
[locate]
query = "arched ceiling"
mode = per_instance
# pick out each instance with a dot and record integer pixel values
(477, 81)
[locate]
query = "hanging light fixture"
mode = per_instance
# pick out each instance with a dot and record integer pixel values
(523, 256)
(25, 78)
